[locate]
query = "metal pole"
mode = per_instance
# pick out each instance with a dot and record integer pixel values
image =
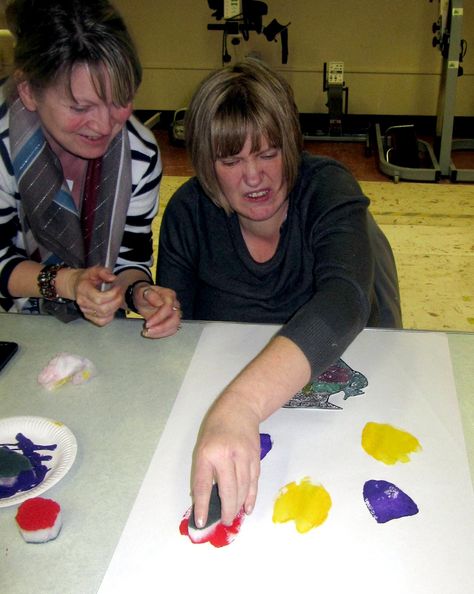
(447, 94)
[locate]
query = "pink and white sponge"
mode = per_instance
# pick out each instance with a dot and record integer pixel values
(39, 519)
(65, 368)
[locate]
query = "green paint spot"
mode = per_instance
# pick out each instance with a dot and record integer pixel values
(12, 463)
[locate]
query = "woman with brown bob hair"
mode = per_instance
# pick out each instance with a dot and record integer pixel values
(266, 233)
(216, 125)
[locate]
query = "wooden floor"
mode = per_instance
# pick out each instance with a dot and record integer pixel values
(430, 227)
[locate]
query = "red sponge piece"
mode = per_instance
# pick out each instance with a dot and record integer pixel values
(39, 519)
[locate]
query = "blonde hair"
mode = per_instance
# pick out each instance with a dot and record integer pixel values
(231, 103)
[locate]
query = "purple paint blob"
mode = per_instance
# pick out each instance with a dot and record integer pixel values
(265, 444)
(386, 501)
(336, 374)
(27, 479)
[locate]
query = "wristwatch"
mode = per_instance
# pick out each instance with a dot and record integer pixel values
(129, 294)
(47, 282)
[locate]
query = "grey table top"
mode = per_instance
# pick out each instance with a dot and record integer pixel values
(117, 419)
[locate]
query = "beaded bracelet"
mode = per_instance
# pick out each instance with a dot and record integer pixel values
(47, 282)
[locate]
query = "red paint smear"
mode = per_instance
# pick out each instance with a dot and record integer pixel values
(220, 536)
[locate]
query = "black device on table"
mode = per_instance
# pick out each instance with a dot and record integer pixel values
(7, 350)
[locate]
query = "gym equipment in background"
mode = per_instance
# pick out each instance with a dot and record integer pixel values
(176, 129)
(338, 107)
(402, 155)
(448, 31)
(398, 144)
(240, 18)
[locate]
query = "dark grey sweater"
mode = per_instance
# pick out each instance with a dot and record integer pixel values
(333, 272)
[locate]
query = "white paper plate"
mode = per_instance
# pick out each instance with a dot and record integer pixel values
(40, 431)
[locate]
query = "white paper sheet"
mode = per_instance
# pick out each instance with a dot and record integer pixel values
(411, 387)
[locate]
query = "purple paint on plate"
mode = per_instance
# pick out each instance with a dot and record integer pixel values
(265, 444)
(27, 479)
(386, 501)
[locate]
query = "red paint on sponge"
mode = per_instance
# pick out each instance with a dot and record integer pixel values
(37, 514)
(217, 534)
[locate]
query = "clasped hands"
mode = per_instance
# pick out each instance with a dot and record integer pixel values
(158, 305)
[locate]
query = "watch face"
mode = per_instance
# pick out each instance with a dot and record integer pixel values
(129, 294)
(129, 298)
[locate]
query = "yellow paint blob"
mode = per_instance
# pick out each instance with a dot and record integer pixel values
(307, 504)
(388, 444)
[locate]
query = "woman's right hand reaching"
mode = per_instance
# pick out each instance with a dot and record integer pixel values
(227, 452)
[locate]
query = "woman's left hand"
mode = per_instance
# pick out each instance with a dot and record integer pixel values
(160, 308)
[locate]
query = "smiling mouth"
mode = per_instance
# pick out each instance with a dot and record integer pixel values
(93, 138)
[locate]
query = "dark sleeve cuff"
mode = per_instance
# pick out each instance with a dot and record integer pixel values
(5, 277)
